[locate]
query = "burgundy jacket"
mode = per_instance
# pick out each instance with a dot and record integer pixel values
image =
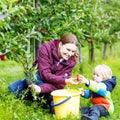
(52, 69)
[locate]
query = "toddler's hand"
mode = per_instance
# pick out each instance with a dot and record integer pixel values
(82, 91)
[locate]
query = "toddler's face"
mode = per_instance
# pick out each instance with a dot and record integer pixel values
(97, 77)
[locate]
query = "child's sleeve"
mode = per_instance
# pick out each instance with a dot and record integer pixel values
(99, 88)
(86, 94)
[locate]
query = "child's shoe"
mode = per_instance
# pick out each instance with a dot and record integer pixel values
(87, 117)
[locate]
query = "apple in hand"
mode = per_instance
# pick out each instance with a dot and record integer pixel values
(79, 78)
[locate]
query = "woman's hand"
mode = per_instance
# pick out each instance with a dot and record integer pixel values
(71, 81)
(82, 79)
(36, 88)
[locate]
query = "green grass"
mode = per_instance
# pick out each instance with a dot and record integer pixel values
(10, 71)
(16, 109)
(10, 107)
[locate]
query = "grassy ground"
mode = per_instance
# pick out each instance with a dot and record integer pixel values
(15, 109)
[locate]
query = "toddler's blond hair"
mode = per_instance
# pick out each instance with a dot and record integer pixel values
(103, 70)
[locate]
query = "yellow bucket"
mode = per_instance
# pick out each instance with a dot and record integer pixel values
(66, 102)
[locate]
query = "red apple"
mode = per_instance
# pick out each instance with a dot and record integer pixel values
(3, 57)
(79, 77)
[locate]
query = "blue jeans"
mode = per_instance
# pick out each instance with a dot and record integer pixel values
(98, 110)
(38, 82)
(39, 79)
(19, 86)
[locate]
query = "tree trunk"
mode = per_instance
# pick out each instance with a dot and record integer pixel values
(37, 4)
(37, 43)
(112, 50)
(91, 51)
(80, 55)
(105, 54)
(28, 46)
(80, 61)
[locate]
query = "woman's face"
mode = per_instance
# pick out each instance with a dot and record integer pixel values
(67, 50)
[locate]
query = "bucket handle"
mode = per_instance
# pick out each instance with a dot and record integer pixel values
(52, 104)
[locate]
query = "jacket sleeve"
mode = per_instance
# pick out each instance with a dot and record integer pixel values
(86, 94)
(99, 88)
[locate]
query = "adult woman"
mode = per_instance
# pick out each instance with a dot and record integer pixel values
(56, 59)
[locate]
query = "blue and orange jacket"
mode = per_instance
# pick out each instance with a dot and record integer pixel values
(100, 93)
